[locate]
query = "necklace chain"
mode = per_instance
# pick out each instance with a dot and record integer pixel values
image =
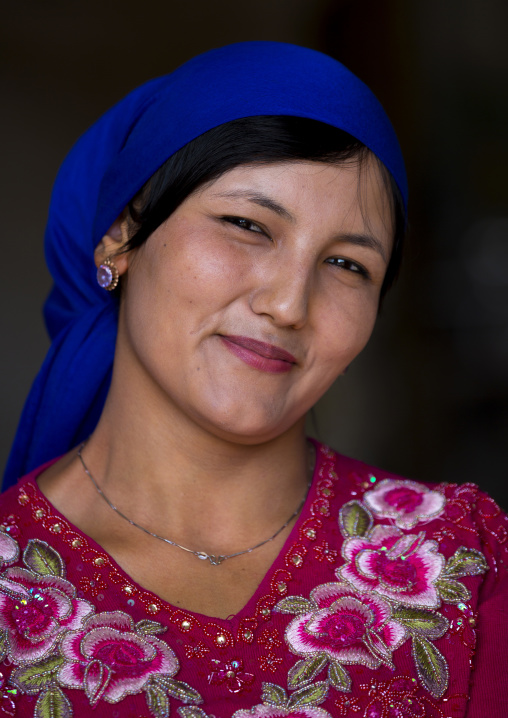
(215, 559)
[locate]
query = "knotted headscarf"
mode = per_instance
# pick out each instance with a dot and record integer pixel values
(108, 166)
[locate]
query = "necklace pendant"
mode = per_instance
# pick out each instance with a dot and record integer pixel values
(202, 555)
(216, 560)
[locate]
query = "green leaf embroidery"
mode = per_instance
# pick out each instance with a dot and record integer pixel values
(4, 646)
(339, 677)
(35, 677)
(294, 604)
(149, 628)
(178, 689)
(304, 672)
(465, 562)
(310, 696)
(452, 591)
(431, 666)
(157, 700)
(421, 622)
(354, 519)
(40, 558)
(52, 704)
(191, 712)
(274, 695)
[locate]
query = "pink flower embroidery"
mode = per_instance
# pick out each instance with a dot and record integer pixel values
(35, 610)
(403, 568)
(231, 673)
(347, 626)
(263, 711)
(109, 660)
(9, 549)
(396, 697)
(406, 502)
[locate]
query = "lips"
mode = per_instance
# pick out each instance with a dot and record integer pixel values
(269, 351)
(259, 355)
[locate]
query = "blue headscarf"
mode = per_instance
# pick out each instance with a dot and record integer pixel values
(112, 161)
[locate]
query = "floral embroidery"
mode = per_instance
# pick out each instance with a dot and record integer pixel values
(270, 662)
(34, 610)
(108, 659)
(53, 639)
(300, 704)
(230, 673)
(388, 585)
(380, 561)
(347, 626)
(9, 550)
(10, 526)
(406, 502)
(344, 704)
(339, 626)
(197, 651)
(94, 585)
(400, 567)
(397, 697)
(325, 553)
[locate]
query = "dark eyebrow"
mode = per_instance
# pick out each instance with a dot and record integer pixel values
(364, 240)
(258, 198)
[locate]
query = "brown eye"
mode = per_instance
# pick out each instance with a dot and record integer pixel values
(244, 224)
(348, 265)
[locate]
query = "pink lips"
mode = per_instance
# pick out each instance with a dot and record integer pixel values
(265, 357)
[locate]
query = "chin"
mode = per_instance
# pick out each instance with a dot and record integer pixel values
(247, 430)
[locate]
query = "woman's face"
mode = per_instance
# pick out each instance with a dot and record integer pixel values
(258, 291)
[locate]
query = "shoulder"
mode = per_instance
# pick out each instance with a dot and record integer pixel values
(449, 513)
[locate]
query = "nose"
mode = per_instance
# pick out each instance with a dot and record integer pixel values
(283, 294)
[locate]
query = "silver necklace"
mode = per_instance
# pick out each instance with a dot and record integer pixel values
(215, 560)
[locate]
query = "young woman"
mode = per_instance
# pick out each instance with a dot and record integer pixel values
(191, 553)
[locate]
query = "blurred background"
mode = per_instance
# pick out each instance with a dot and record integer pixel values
(428, 398)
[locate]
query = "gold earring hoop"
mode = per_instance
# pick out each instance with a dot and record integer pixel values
(108, 275)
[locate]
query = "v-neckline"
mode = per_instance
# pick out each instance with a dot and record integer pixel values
(269, 585)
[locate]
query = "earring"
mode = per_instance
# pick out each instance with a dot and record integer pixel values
(107, 275)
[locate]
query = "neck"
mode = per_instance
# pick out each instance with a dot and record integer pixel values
(175, 478)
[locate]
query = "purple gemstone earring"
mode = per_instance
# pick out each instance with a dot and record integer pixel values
(107, 275)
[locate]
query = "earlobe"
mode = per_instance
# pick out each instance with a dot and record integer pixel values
(111, 245)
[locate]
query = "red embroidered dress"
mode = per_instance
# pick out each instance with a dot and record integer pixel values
(370, 611)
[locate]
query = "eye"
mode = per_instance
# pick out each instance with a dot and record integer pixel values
(348, 265)
(244, 224)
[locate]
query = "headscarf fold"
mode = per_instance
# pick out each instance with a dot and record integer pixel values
(108, 166)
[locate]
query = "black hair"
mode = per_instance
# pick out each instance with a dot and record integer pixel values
(262, 139)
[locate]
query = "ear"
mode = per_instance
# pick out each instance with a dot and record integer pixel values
(112, 243)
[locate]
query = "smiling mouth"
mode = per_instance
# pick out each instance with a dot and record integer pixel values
(262, 356)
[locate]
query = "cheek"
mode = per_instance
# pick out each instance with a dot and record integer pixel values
(346, 328)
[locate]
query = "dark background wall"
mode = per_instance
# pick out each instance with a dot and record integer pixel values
(429, 397)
